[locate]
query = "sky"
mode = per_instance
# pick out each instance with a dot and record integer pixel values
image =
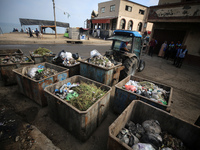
(79, 10)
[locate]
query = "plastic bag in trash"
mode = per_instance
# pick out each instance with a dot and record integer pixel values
(31, 72)
(143, 146)
(94, 53)
(68, 55)
(151, 126)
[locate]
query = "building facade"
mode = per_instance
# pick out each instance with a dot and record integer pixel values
(121, 14)
(178, 20)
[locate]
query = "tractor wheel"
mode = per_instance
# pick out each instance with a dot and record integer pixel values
(141, 66)
(130, 65)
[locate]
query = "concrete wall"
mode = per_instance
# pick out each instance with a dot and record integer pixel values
(162, 2)
(107, 8)
(135, 10)
(193, 41)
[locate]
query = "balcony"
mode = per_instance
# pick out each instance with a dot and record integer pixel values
(177, 12)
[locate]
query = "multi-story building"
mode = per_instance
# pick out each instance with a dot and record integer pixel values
(120, 14)
(178, 20)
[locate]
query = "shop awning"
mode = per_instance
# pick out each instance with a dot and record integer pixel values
(103, 20)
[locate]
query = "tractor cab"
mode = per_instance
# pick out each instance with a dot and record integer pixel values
(132, 38)
(126, 48)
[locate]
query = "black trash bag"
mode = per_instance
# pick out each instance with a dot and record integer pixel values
(75, 56)
(131, 141)
(140, 129)
(154, 139)
(57, 59)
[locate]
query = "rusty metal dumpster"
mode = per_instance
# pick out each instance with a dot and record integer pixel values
(81, 124)
(139, 111)
(10, 52)
(7, 75)
(123, 97)
(41, 59)
(49, 58)
(73, 69)
(34, 89)
(107, 76)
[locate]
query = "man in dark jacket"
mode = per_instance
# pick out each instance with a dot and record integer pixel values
(152, 45)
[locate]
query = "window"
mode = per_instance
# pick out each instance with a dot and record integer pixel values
(112, 8)
(102, 9)
(130, 25)
(122, 24)
(128, 8)
(141, 12)
(140, 26)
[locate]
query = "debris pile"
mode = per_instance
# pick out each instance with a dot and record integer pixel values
(41, 52)
(66, 58)
(14, 59)
(97, 59)
(149, 90)
(24, 139)
(148, 136)
(39, 72)
(81, 96)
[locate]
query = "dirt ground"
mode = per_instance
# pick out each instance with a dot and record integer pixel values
(186, 105)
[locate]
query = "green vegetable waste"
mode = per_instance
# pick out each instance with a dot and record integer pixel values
(88, 95)
(42, 51)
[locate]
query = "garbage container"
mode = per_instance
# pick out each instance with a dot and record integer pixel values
(7, 75)
(107, 76)
(73, 69)
(123, 97)
(139, 112)
(40, 59)
(34, 89)
(10, 52)
(81, 124)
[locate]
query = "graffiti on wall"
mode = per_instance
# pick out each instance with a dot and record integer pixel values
(179, 11)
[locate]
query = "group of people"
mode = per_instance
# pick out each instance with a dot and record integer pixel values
(175, 51)
(28, 31)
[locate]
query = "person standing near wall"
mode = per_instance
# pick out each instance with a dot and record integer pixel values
(152, 45)
(162, 49)
(177, 55)
(168, 52)
(183, 52)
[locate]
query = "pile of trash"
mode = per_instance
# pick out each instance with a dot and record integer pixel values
(41, 52)
(14, 59)
(97, 59)
(148, 136)
(24, 139)
(66, 58)
(39, 72)
(149, 90)
(81, 96)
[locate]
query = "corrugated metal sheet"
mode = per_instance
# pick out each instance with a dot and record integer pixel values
(24, 21)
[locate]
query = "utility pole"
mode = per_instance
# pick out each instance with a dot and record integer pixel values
(54, 18)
